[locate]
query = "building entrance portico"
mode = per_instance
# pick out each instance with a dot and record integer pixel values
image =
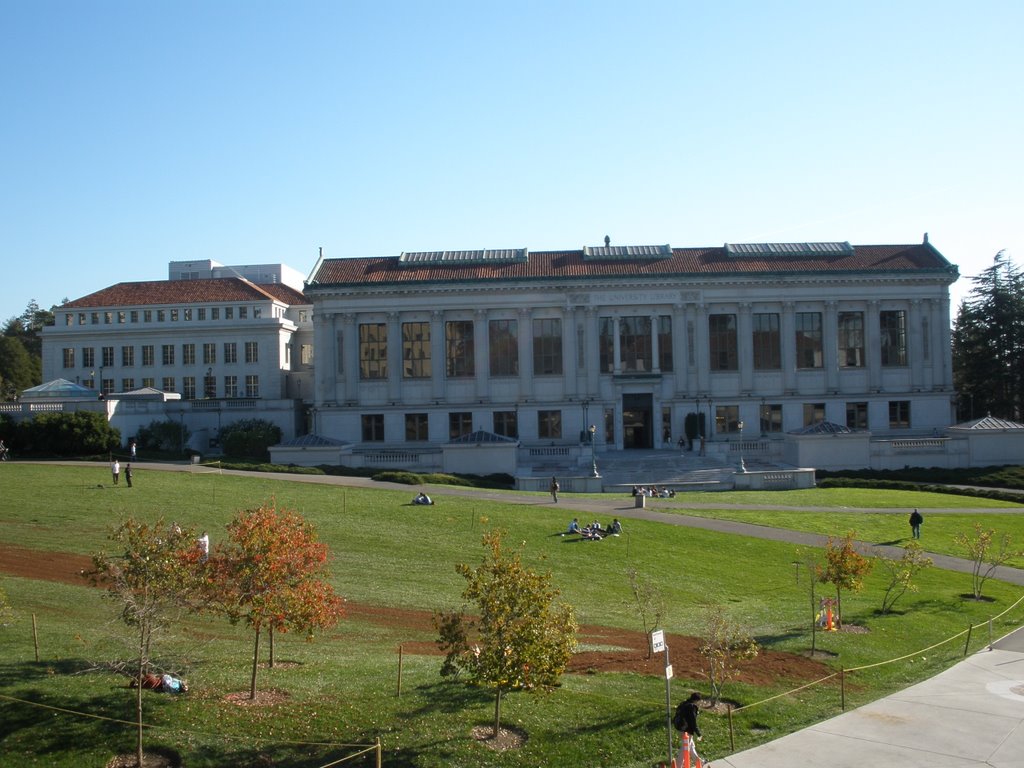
(637, 421)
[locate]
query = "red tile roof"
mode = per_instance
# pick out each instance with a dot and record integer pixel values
(179, 292)
(917, 258)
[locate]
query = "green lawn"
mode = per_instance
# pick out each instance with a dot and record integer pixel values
(342, 688)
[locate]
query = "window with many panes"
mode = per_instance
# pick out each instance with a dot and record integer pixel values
(127, 385)
(209, 353)
(127, 356)
(727, 419)
(893, 327)
(771, 418)
(459, 423)
(506, 423)
(808, 340)
(635, 353)
(459, 348)
(167, 354)
(722, 342)
(201, 313)
(766, 338)
(857, 415)
(851, 340)
(813, 413)
(416, 350)
(899, 414)
(252, 352)
(416, 427)
(148, 358)
(503, 344)
(606, 344)
(167, 384)
(69, 357)
(372, 427)
(188, 354)
(306, 354)
(549, 425)
(209, 385)
(252, 385)
(188, 387)
(373, 351)
(88, 357)
(107, 354)
(148, 381)
(547, 346)
(230, 386)
(230, 352)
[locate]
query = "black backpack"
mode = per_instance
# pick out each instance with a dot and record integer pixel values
(678, 719)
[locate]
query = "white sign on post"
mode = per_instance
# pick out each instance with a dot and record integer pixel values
(657, 641)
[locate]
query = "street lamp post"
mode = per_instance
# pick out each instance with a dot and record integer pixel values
(592, 429)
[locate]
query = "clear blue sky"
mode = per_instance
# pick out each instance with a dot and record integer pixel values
(134, 133)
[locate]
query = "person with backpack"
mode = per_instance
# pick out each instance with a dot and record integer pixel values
(915, 524)
(685, 721)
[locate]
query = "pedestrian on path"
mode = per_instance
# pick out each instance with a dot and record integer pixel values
(685, 721)
(915, 524)
(553, 488)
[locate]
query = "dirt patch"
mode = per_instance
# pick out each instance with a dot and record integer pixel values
(263, 698)
(149, 760)
(507, 738)
(622, 650)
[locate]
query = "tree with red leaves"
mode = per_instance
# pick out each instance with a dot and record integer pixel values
(270, 574)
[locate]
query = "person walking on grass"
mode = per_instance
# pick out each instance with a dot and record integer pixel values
(115, 470)
(685, 721)
(915, 524)
(128, 474)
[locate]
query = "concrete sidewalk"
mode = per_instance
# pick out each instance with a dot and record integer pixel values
(970, 715)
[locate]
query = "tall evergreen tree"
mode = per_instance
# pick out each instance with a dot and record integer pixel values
(988, 344)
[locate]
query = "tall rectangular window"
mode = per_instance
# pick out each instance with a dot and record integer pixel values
(306, 354)
(813, 413)
(458, 337)
(893, 327)
(606, 344)
(149, 381)
(506, 423)
(857, 415)
(167, 354)
(69, 357)
(766, 338)
(230, 386)
(201, 313)
(107, 354)
(243, 313)
(373, 427)
(187, 313)
(188, 354)
(148, 358)
(665, 359)
(459, 423)
(549, 425)
(188, 387)
(635, 350)
(808, 340)
(547, 346)
(167, 384)
(230, 352)
(727, 419)
(209, 385)
(252, 352)
(899, 414)
(215, 313)
(373, 351)
(127, 385)
(127, 356)
(209, 353)
(416, 427)
(503, 345)
(88, 357)
(851, 340)
(722, 342)
(771, 418)
(416, 351)
(252, 385)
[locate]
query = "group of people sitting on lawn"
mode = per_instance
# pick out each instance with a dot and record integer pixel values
(594, 531)
(653, 492)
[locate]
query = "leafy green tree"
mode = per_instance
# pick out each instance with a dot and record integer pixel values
(844, 568)
(270, 574)
(17, 369)
(724, 643)
(988, 343)
(522, 638)
(901, 572)
(154, 578)
(80, 433)
(249, 438)
(987, 552)
(167, 435)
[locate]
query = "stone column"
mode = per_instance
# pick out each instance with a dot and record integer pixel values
(788, 340)
(745, 347)
(591, 353)
(680, 349)
(481, 353)
(655, 351)
(394, 357)
(616, 347)
(873, 342)
(915, 344)
(438, 375)
(830, 346)
(569, 352)
(525, 352)
(350, 349)
(325, 348)
(703, 351)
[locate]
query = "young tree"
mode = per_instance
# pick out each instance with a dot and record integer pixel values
(523, 637)
(844, 568)
(154, 578)
(270, 574)
(986, 553)
(901, 573)
(650, 603)
(723, 645)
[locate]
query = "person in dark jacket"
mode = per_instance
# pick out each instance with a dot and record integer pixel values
(915, 524)
(685, 721)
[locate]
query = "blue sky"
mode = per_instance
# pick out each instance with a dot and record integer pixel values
(135, 133)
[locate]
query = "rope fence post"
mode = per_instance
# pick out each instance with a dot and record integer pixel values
(35, 637)
(376, 743)
(399, 670)
(842, 689)
(967, 645)
(732, 740)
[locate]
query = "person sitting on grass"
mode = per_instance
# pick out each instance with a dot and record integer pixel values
(423, 500)
(574, 526)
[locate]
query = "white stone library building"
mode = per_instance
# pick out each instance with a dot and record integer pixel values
(802, 354)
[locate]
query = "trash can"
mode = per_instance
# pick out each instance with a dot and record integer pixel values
(640, 501)
(196, 458)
